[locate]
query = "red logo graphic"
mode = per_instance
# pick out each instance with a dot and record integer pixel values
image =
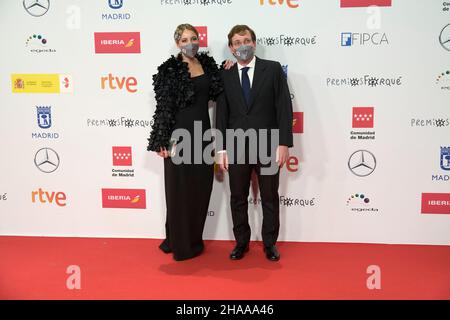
(202, 36)
(365, 3)
(117, 42)
(19, 84)
(123, 198)
(122, 156)
(292, 164)
(297, 123)
(362, 117)
(65, 82)
(436, 203)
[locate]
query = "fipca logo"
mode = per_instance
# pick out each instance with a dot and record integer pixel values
(44, 121)
(117, 42)
(362, 163)
(370, 81)
(115, 13)
(443, 80)
(37, 43)
(124, 198)
(284, 40)
(36, 8)
(362, 118)
(122, 157)
(217, 3)
(349, 39)
(360, 203)
(436, 203)
(365, 3)
(444, 163)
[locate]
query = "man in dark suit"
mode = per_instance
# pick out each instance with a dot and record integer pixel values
(256, 97)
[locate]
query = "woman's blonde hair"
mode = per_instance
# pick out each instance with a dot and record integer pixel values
(180, 29)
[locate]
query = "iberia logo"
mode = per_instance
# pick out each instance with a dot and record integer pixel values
(437, 203)
(124, 198)
(117, 42)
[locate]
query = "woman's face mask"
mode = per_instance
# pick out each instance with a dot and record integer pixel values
(189, 50)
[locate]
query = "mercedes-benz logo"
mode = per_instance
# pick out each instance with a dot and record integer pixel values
(444, 37)
(46, 160)
(362, 163)
(36, 8)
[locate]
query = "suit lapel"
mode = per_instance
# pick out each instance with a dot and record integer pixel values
(258, 79)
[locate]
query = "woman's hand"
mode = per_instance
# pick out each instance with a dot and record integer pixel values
(228, 64)
(163, 153)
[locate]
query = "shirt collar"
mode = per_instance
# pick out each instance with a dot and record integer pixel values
(250, 65)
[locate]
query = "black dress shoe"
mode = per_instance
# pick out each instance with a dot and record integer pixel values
(272, 253)
(164, 246)
(238, 252)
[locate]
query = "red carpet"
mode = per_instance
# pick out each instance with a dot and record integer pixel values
(35, 268)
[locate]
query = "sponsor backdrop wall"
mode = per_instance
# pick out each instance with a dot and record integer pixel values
(370, 89)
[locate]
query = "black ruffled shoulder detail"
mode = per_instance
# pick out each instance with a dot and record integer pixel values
(174, 90)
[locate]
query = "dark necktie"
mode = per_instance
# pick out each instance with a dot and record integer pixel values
(246, 85)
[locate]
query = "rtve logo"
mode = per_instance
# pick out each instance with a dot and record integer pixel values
(289, 3)
(118, 83)
(49, 197)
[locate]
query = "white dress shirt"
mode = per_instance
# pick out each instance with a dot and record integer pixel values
(250, 71)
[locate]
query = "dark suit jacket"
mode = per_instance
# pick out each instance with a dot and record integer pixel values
(270, 107)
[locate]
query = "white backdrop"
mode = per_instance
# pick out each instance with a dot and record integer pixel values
(409, 91)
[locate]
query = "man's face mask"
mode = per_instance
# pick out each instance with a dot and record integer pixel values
(190, 50)
(244, 52)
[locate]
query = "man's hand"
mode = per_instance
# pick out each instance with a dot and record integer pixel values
(163, 152)
(222, 160)
(283, 155)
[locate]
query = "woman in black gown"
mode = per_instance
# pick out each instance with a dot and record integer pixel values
(183, 87)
